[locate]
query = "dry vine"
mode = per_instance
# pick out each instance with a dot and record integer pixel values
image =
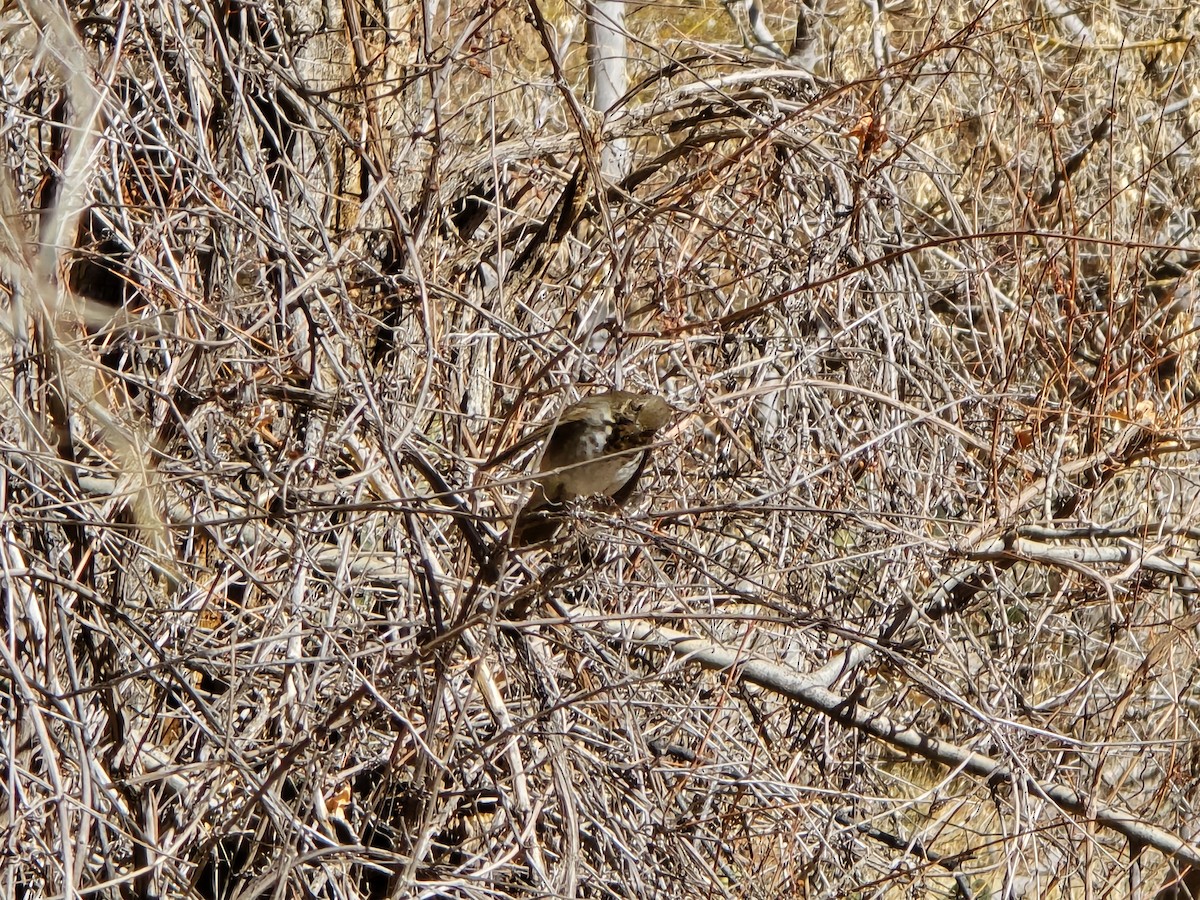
(907, 605)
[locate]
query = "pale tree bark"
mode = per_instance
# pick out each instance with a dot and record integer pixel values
(607, 77)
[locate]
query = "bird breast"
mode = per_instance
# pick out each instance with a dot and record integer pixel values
(582, 464)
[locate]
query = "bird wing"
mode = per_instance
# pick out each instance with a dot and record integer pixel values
(579, 411)
(571, 414)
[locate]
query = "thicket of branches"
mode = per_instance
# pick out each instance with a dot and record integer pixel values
(906, 605)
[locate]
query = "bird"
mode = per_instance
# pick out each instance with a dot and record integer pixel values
(596, 446)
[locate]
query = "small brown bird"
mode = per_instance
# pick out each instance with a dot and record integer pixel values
(596, 446)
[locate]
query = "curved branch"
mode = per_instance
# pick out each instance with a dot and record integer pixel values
(809, 691)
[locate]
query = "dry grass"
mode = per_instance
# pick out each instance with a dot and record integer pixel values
(278, 280)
